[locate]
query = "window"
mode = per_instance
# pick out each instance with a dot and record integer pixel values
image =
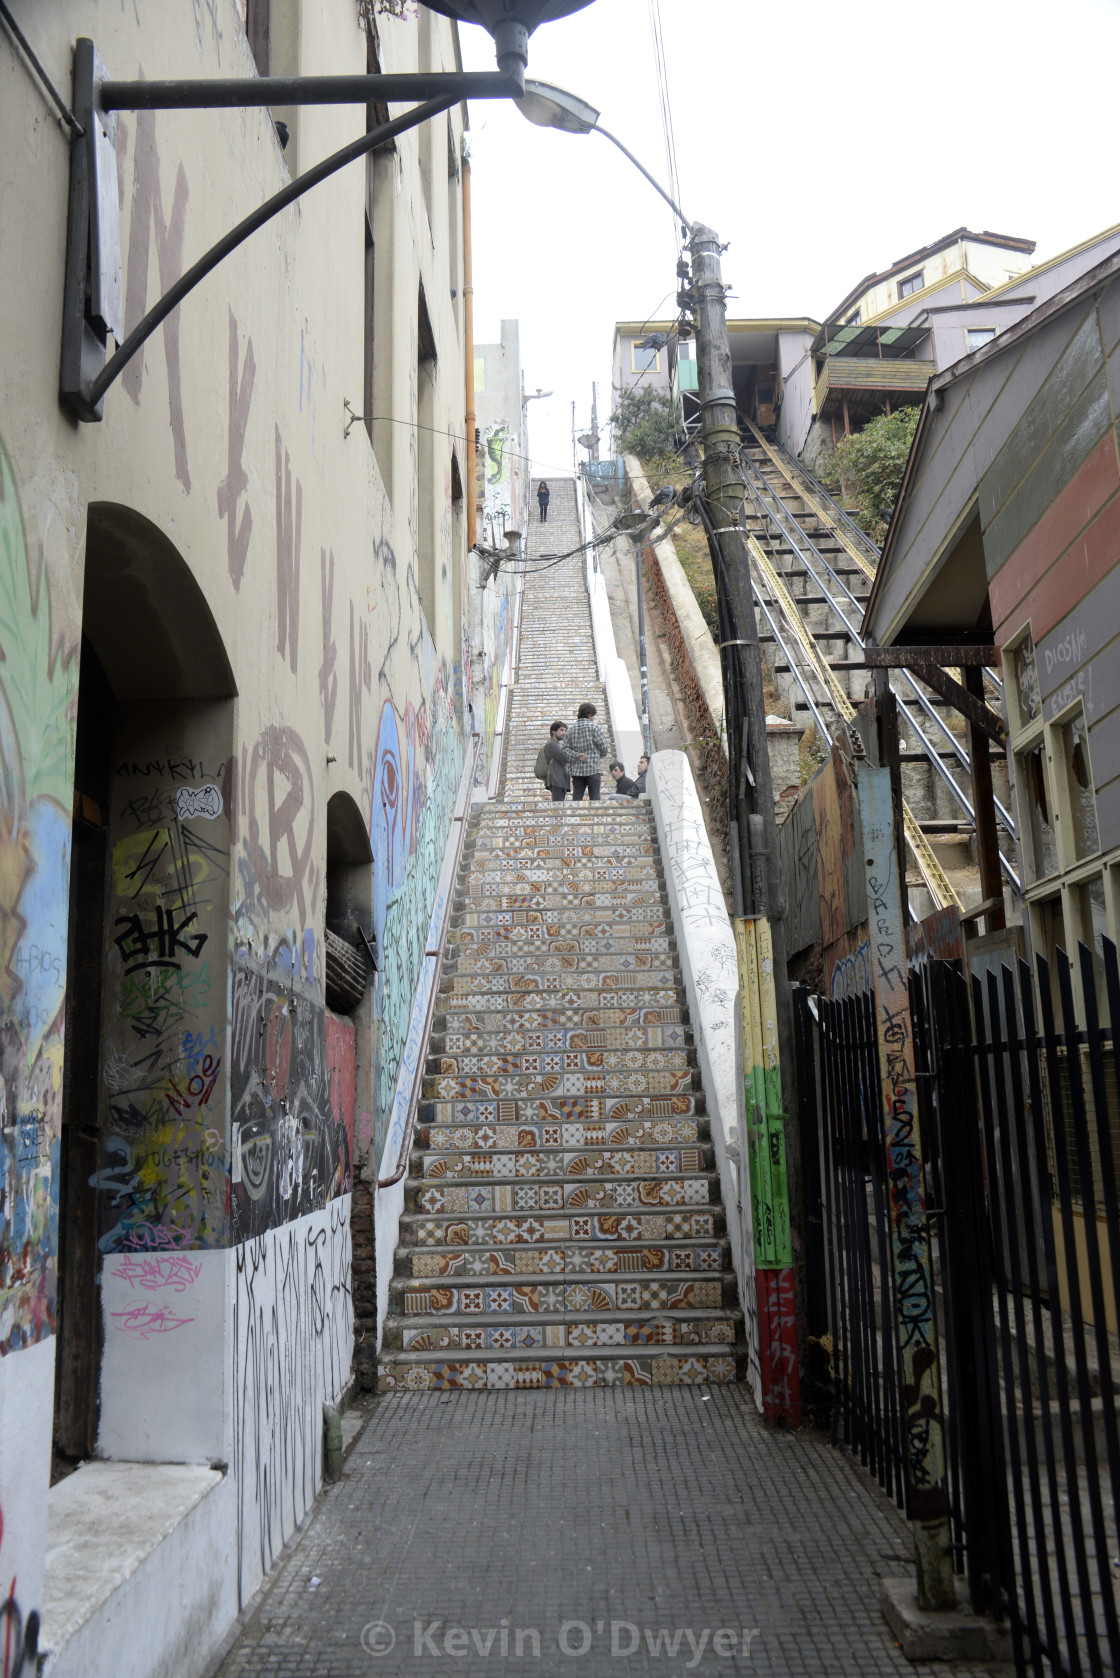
(426, 130)
(1037, 804)
(644, 361)
(426, 463)
(977, 336)
(684, 351)
(911, 284)
(853, 318)
(1083, 838)
(1026, 682)
(367, 324)
(255, 21)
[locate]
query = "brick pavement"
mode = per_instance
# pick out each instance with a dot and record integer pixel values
(559, 1514)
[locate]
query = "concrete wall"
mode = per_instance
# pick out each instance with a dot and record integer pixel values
(279, 612)
(506, 505)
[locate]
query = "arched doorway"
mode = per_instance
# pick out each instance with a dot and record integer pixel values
(144, 1131)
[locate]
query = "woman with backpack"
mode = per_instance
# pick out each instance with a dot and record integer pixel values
(543, 495)
(552, 763)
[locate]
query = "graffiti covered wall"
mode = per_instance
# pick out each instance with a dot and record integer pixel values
(38, 683)
(415, 769)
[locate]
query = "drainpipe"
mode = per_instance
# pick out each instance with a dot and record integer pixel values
(470, 452)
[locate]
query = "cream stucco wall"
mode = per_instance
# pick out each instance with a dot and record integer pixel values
(335, 572)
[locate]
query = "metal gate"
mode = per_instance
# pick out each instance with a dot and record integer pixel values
(1019, 1117)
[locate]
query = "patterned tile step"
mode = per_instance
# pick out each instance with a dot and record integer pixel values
(559, 1060)
(485, 1138)
(421, 1372)
(651, 1258)
(482, 1157)
(557, 896)
(567, 1110)
(434, 1334)
(535, 850)
(458, 1040)
(539, 1191)
(655, 987)
(420, 1230)
(541, 963)
(516, 881)
(519, 1011)
(635, 927)
(434, 1299)
(457, 1016)
(505, 943)
(522, 1085)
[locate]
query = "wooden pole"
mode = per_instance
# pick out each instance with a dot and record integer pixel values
(910, 1247)
(760, 868)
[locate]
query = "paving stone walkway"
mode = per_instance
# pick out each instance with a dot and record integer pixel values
(647, 1525)
(636, 1531)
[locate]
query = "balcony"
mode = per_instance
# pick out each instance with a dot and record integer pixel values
(865, 383)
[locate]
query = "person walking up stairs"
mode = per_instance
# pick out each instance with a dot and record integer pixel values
(562, 1222)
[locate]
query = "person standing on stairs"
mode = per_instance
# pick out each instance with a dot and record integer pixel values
(543, 497)
(587, 747)
(558, 758)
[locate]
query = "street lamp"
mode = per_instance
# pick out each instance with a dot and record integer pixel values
(554, 107)
(92, 292)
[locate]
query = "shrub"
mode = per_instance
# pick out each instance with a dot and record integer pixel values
(645, 424)
(866, 468)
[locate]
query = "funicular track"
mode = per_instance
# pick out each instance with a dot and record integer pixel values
(812, 569)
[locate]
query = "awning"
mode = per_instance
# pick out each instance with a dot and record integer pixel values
(891, 342)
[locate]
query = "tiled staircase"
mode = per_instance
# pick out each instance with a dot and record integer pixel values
(562, 1222)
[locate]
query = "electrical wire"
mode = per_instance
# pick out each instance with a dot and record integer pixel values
(662, 63)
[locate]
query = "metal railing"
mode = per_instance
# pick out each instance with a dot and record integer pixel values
(1018, 1114)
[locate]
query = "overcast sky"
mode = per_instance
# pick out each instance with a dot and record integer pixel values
(822, 144)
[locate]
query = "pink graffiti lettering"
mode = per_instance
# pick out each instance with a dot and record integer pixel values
(142, 1321)
(158, 1270)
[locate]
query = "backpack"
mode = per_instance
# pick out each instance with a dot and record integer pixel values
(540, 768)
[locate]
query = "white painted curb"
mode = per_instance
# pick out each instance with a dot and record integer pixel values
(706, 947)
(613, 673)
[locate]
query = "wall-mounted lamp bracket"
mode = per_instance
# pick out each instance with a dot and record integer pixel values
(92, 287)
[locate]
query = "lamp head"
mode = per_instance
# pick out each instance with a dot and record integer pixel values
(553, 107)
(511, 22)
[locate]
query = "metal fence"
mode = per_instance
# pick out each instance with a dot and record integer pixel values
(1018, 1113)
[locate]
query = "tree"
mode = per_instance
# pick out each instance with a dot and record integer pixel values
(645, 424)
(866, 468)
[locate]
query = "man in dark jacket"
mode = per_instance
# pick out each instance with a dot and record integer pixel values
(543, 500)
(640, 779)
(558, 759)
(623, 785)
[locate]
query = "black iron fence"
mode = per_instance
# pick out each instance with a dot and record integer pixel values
(1017, 1106)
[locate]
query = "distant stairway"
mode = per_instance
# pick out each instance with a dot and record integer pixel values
(562, 1223)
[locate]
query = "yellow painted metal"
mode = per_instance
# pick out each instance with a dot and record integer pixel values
(930, 869)
(813, 501)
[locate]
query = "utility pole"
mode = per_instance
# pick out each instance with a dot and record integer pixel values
(595, 420)
(754, 830)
